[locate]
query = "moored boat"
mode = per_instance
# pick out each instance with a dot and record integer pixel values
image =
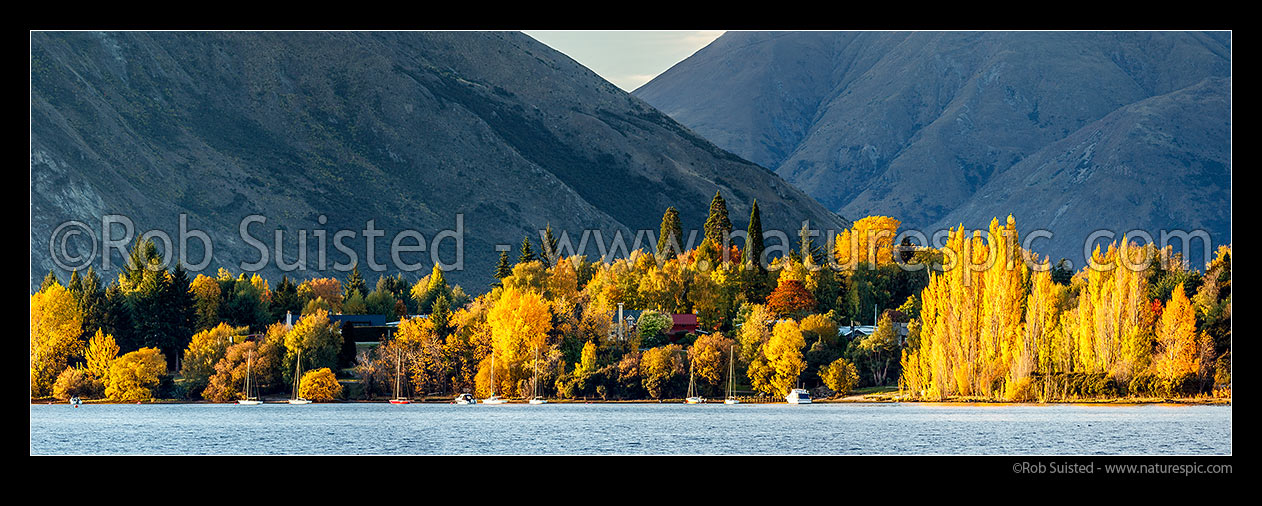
(798, 396)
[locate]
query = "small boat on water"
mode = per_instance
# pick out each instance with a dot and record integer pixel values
(493, 399)
(298, 379)
(731, 378)
(249, 400)
(74, 401)
(798, 396)
(693, 398)
(464, 399)
(398, 388)
(535, 386)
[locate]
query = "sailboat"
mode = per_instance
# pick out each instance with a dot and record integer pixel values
(298, 379)
(249, 400)
(493, 399)
(535, 388)
(731, 379)
(693, 398)
(398, 387)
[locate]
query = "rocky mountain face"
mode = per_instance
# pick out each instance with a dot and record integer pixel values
(1067, 131)
(323, 132)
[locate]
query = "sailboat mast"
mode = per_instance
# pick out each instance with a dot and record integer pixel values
(297, 372)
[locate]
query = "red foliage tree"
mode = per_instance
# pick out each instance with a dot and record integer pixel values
(790, 298)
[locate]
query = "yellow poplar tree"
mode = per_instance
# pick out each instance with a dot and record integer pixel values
(102, 350)
(55, 329)
(1176, 337)
(520, 321)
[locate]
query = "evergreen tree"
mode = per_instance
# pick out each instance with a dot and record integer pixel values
(179, 313)
(753, 241)
(117, 319)
(91, 301)
(527, 254)
(285, 300)
(807, 248)
(49, 280)
(671, 240)
(718, 227)
(755, 282)
(355, 283)
(502, 269)
(441, 316)
(1061, 274)
(75, 285)
(550, 254)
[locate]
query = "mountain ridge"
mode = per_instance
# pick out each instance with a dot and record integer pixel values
(325, 131)
(915, 124)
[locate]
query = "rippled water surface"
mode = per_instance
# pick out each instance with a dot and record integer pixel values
(621, 429)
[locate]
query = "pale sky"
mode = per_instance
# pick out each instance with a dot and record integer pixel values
(628, 59)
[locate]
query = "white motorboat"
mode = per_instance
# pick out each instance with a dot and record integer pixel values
(464, 399)
(798, 396)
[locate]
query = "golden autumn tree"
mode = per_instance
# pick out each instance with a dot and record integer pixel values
(659, 366)
(1176, 337)
(753, 333)
(869, 240)
(205, 350)
(970, 315)
(102, 350)
(134, 376)
(206, 297)
(318, 338)
(841, 376)
(778, 367)
(1106, 324)
(56, 326)
(519, 322)
(709, 356)
(427, 362)
(327, 289)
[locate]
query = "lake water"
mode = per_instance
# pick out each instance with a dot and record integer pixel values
(629, 429)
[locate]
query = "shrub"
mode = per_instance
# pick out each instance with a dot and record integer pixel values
(134, 376)
(320, 385)
(76, 382)
(840, 376)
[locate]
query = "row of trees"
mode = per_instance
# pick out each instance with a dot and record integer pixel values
(990, 327)
(983, 326)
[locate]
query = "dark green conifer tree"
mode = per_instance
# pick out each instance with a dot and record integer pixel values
(718, 227)
(670, 241)
(527, 254)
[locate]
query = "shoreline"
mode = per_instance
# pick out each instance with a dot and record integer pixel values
(854, 399)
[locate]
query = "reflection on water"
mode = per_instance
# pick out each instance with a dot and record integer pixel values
(618, 429)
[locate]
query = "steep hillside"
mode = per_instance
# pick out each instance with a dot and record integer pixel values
(408, 130)
(918, 125)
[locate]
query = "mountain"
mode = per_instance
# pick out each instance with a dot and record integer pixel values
(938, 129)
(320, 132)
